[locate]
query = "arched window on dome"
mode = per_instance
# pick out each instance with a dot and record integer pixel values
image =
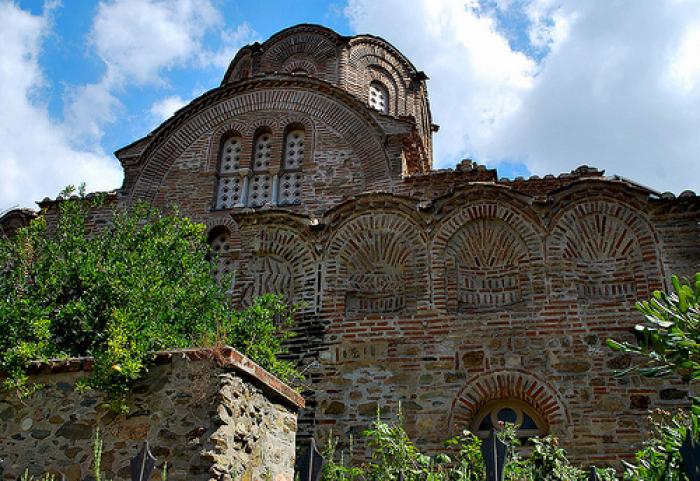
(290, 178)
(378, 97)
(260, 190)
(495, 413)
(229, 189)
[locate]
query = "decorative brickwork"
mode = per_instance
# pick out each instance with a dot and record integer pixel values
(376, 263)
(506, 385)
(445, 290)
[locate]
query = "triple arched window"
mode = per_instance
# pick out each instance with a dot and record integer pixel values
(260, 179)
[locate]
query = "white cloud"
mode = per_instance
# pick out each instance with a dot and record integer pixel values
(164, 108)
(619, 91)
(231, 41)
(476, 79)
(137, 40)
(36, 158)
(618, 86)
(88, 108)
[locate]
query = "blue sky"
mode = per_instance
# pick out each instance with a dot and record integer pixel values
(526, 86)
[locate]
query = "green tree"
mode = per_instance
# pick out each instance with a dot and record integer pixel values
(668, 342)
(139, 284)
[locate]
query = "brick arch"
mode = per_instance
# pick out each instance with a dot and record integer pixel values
(285, 120)
(364, 59)
(605, 249)
(298, 62)
(278, 258)
(376, 264)
(214, 221)
(243, 66)
(509, 384)
(219, 134)
(314, 47)
(367, 49)
(484, 255)
(372, 62)
(317, 43)
(344, 116)
(396, 91)
(264, 122)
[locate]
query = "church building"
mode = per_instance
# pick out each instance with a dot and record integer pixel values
(466, 298)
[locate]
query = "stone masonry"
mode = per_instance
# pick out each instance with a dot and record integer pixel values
(465, 297)
(205, 412)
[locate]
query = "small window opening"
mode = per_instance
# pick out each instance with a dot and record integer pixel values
(378, 97)
(496, 413)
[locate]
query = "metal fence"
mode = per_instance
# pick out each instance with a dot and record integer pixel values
(495, 453)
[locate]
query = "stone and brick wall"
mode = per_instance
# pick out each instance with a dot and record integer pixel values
(204, 412)
(444, 290)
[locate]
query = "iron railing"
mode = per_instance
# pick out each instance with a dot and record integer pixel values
(495, 454)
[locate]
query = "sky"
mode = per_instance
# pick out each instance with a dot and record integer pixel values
(529, 87)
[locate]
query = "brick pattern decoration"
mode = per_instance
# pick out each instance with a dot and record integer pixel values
(437, 289)
(310, 51)
(352, 121)
(499, 385)
(608, 251)
(486, 256)
(277, 259)
(374, 262)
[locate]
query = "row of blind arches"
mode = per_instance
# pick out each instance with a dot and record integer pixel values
(257, 184)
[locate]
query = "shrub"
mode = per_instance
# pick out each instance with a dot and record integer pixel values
(392, 452)
(140, 284)
(668, 342)
(660, 458)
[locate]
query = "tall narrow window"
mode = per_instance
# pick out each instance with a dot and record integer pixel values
(224, 264)
(291, 175)
(228, 191)
(260, 186)
(378, 97)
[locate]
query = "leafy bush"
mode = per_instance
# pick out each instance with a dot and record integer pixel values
(140, 284)
(660, 459)
(392, 452)
(547, 462)
(667, 342)
(670, 337)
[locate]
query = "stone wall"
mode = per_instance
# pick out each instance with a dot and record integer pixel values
(204, 412)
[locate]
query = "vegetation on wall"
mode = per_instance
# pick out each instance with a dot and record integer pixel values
(140, 284)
